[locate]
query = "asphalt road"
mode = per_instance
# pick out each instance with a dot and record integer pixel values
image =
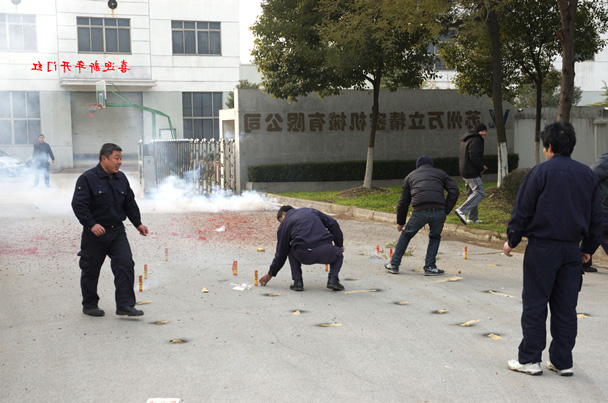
(403, 337)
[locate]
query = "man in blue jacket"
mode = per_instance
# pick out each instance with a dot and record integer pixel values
(307, 236)
(424, 189)
(558, 209)
(102, 200)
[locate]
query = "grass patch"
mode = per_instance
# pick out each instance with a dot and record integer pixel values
(494, 210)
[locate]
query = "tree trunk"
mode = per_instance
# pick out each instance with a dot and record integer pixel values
(501, 134)
(567, 11)
(369, 166)
(539, 111)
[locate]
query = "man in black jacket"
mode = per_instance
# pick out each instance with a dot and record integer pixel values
(42, 153)
(424, 189)
(558, 209)
(307, 236)
(600, 169)
(102, 200)
(470, 163)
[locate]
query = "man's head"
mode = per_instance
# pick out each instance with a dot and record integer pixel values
(424, 160)
(282, 212)
(41, 138)
(110, 158)
(481, 129)
(558, 138)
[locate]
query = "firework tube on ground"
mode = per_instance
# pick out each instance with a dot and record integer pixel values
(465, 252)
(234, 264)
(326, 267)
(140, 284)
(166, 254)
(146, 271)
(390, 253)
(377, 249)
(255, 279)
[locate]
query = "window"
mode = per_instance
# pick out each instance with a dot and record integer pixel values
(19, 117)
(201, 112)
(196, 38)
(17, 32)
(104, 35)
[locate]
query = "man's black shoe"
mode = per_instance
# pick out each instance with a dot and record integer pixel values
(334, 284)
(298, 285)
(93, 311)
(589, 269)
(129, 311)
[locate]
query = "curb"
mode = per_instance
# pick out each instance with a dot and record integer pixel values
(391, 218)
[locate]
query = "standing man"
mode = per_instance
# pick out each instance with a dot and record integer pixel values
(557, 208)
(307, 236)
(424, 189)
(42, 153)
(470, 163)
(600, 169)
(102, 200)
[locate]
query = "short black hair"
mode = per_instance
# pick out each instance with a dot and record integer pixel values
(282, 210)
(560, 136)
(107, 149)
(41, 135)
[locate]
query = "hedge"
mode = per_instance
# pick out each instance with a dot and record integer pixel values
(355, 170)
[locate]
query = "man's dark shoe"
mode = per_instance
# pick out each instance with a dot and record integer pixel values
(93, 311)
(391, 269)
(589, 269)
(129, 311)
(298, 285)
(432, 271)
(334, 284)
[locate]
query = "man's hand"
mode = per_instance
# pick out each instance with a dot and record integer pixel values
(485, 168)
(53, 161)
(342, 249)
(399, 227)
(265, 279)
(143, 230)
(98, 230)
(586, 257)
(507, 249)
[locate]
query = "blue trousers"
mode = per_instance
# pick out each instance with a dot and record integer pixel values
(553, 275)
(93, 251)
(326, 253)
(435, 218)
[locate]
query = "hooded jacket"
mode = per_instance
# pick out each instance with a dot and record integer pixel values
(470, 157)
(424, 187)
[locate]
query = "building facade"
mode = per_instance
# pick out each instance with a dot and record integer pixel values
(180, 57)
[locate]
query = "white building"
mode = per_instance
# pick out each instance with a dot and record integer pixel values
(180, 57)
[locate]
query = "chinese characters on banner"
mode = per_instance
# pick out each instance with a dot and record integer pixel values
(298, 122)
(81, 67)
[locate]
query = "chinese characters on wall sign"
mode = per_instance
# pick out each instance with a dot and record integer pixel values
(298, 122)
(81, 67)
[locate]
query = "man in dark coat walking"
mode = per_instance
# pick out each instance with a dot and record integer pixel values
(471, 167)
(42, 153)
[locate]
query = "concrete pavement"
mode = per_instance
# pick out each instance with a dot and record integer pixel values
(392, 337)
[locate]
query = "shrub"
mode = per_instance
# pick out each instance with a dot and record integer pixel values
(511, 183)
(355, 170)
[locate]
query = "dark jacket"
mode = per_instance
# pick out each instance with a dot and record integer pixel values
(600, 169)
(424, 188)
(559, 201)
(42, 152)
(101, 199)
(470, 157)
(304, 227)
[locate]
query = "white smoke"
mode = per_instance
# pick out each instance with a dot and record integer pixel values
(175, 195)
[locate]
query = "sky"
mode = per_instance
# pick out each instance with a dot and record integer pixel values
(249, 10)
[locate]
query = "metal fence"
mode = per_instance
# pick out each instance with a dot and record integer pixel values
(203, 165)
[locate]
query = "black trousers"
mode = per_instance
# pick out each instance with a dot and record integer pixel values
(93, 251)
(327, 253)
(553, 275)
